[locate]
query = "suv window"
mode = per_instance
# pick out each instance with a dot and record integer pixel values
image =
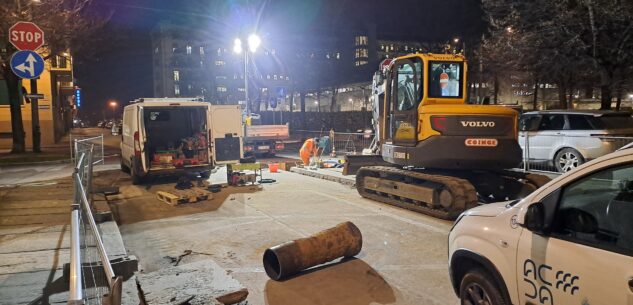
(598, 210)
(552, 122)
(578, 122)
(529, 122)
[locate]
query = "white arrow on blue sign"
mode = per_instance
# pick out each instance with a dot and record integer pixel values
(27, 64)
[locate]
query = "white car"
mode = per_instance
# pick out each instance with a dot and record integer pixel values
(566, 139)
(569, 242)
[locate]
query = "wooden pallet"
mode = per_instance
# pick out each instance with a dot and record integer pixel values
(176, 197)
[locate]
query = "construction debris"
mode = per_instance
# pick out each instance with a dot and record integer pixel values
(287, 259)
(176, 197)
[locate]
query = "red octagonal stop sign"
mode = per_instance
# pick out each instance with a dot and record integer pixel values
(26, 36)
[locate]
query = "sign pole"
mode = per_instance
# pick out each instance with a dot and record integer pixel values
(35, 118)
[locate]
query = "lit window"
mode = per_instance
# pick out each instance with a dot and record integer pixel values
(275, 76)
(327, 55)
(220, 63)
(361, 40)
(364, 53)
(176, 89)
(176, 75)
(382, 47)
(287, 77)
(338, 55)
(156, 50)
(201, 64)
(201, 50)
(241, 89)
(406, 48)
(189, 86)
(220, 89)
(234, 76)
(219, 51)
(391, 47)
(188, 49)
(267, 76)
(173, 50)
(220, 77)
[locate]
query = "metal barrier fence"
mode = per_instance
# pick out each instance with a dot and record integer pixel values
(92, 279)
(542, 152)
(341, 143)
(98, 152)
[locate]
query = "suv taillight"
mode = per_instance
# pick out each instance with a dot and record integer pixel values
(137, 145)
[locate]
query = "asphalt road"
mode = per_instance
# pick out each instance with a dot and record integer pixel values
(403, 260)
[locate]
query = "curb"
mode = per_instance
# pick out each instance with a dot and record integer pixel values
(347, 181)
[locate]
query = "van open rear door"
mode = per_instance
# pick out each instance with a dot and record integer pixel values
(226, 133)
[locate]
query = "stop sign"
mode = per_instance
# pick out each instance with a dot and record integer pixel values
(26, 36)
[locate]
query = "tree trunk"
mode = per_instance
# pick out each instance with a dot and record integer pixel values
(17, 127)
(333, 100)
(570, 103)
(605, 97)
(618, 103)
(535, 96)
(562, 95)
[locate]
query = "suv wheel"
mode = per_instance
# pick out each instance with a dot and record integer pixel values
(479, 288)
(568, 159)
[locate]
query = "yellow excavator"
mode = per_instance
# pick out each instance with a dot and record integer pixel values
(433, 152)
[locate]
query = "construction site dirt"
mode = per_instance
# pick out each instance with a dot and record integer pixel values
(402, 261)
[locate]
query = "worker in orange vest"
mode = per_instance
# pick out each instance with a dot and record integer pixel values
(309, 149)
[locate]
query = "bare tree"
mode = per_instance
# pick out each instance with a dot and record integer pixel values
(66, 25)
(569, 42)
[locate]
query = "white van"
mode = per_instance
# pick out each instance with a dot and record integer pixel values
(569, 242)
(166, 136)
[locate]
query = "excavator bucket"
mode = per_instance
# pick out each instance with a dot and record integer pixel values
(354, 162)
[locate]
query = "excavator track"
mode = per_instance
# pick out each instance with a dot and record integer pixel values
(443, 197)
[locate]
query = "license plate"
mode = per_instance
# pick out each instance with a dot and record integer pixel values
(481, 142)
(263, 147)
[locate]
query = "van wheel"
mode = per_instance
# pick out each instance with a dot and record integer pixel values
(478, 287)
(568, 159)
(124, 168)
(136, 179)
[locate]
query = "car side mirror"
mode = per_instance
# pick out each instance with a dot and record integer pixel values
(535, 218)
(579, 221)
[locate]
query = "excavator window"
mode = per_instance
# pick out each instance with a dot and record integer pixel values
(408, 81)
(445, 79)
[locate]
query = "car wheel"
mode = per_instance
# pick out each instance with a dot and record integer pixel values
(479, 288)
(568, 159)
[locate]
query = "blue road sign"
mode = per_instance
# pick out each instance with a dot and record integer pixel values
(27, 64)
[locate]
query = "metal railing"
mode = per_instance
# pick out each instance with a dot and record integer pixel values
(92, 279)
(538, 154)
(98, 156)
(340, 143)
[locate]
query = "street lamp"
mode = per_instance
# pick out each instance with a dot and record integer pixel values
(113, 104)
(253, 43)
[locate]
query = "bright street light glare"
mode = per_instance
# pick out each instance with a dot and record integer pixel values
(253, 42)
(237, 46)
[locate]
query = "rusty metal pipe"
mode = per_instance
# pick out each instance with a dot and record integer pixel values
(287, 259)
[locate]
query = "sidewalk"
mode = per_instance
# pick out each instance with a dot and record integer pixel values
(51, 154)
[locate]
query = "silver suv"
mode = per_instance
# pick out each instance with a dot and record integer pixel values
(566, 139)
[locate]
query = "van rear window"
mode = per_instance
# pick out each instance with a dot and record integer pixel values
(160, 116)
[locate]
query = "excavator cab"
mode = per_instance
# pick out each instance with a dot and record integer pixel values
(427, 123)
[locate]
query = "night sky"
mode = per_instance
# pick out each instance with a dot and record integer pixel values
(118, 63)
